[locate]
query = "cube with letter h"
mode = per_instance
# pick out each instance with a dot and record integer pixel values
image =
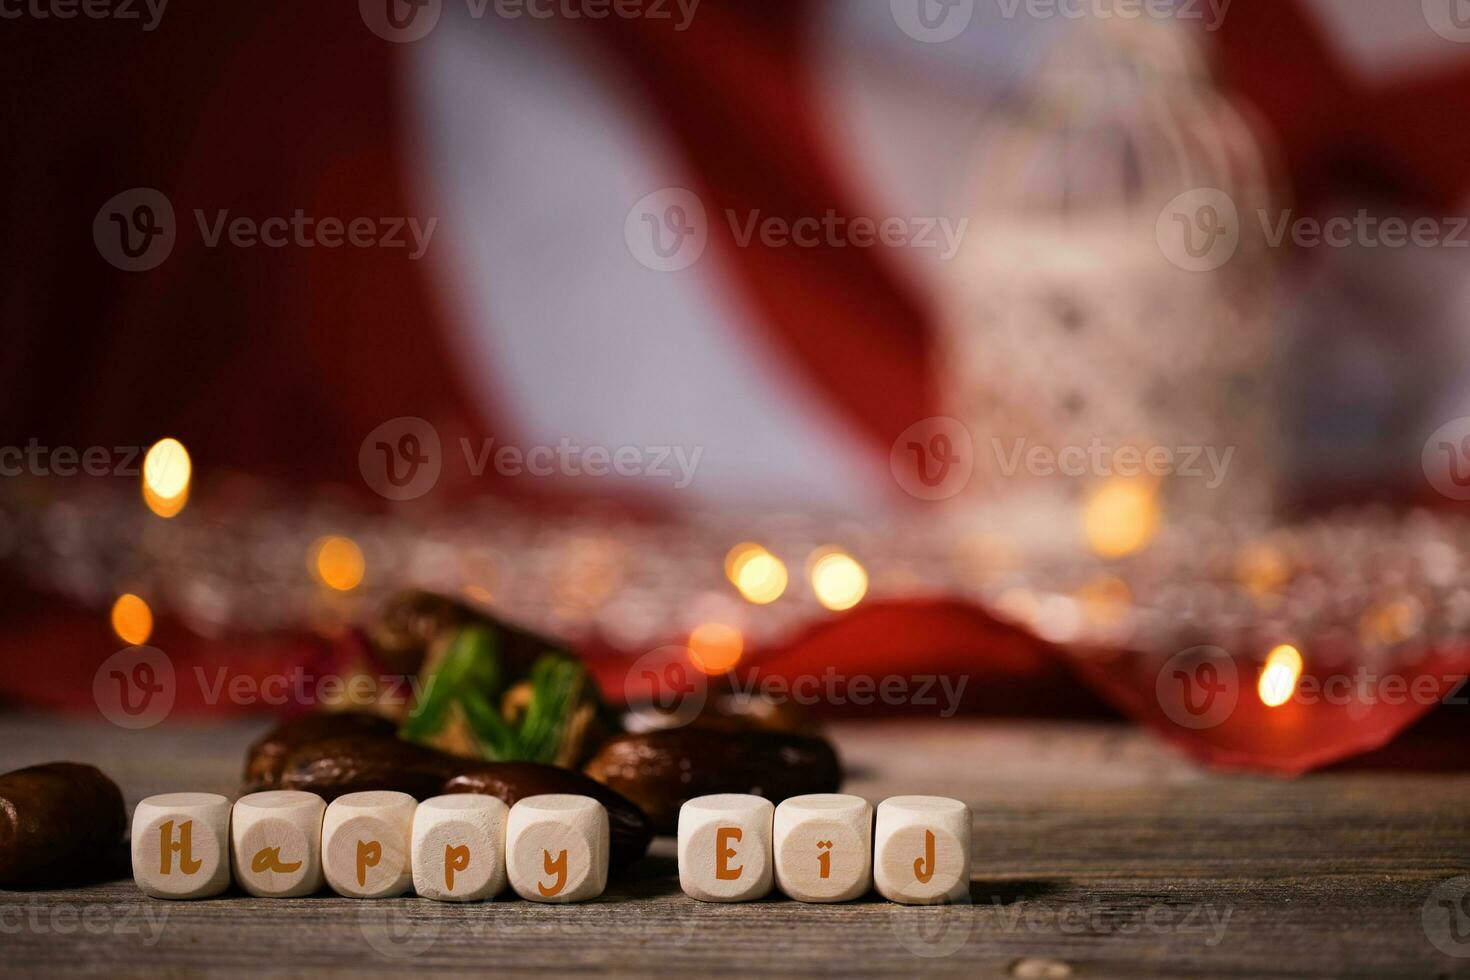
(365, 844)
(824, 847)
(181, 845)
(922, 854)
(276, 843)
(459, 847)
(557, 848)
(725, 847)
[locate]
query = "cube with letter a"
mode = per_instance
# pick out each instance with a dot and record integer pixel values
(725, 847)
(921, 854)
(276, 843)
(459, 847)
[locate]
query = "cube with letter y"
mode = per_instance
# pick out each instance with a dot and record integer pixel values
(459, 847)
(922, 852)
(181, 845)
(556, 848)
(725, 847)
(365, 844)
(276, 843)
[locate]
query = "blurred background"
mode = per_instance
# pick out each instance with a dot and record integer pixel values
(1109, 355)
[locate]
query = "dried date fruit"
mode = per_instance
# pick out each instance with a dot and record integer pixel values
(512, 781)
(356, 763)
(266, 758)
(60, 823)
(659, 771)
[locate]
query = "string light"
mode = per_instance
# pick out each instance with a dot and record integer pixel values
(132, 620)
(1278, 678)
(337, 563)
(837, 578)
(760, 576)
(715, 647)
(167, 471)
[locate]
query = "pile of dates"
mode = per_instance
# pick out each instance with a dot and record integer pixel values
(509, 714)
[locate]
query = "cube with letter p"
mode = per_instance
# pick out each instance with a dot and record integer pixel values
(459, 847)
(365, 844)
(725, 847)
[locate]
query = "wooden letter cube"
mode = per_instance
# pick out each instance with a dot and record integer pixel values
(276, 843)
(459, 847)
(824, 847)
(181, 845)
(923, 850)
(556, 848)
(365, 844)
(725, 847)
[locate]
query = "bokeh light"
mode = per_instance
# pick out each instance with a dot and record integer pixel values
(1278, 678)
(837, 579)
(167, 471)
(337, 563)
(760, 576)
(132, 620)
(715, 647)
(1121, 516)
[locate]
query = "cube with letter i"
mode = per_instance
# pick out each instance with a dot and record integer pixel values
(556, 848)
(725, 847)
(824, 847)
(922, 852)
(459, 847)
(276, 843)
(365, 844)
(181, 845)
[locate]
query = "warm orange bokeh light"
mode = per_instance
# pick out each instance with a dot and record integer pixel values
(1278, 678)
(132, 620)
(715, 647)
(337, 563)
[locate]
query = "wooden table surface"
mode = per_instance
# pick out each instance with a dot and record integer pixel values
(1098, 852)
